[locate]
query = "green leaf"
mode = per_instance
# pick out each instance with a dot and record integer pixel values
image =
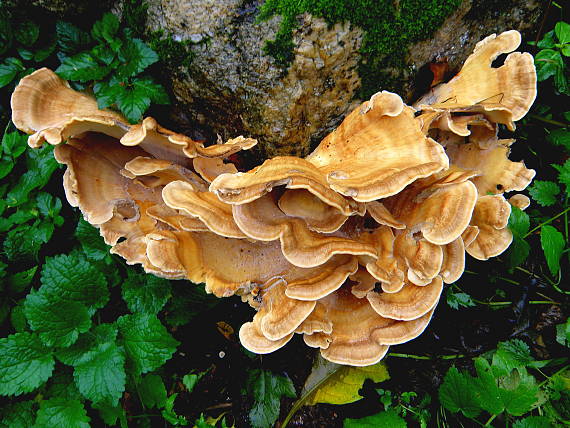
(22, 244)
(548, 62)
(25, 363)
(146, 293)
(82, 67)
(61, 413)
(154, 91)
(21, 280)
(133, 102)
(88, 342)
(562, 30)
(62, 385)
(387, 419)
(190, 381)
(457, 393)
(27, 33)
(43, 53)
(563, 333)
(74, 279)
(18, 415)
(170, 415)
(544, 192)
(152, 391)
(519, 392)
(187, 302)
(455, 300)
(18, 318)
(518, 251)
(70, 39)
(136, 56)
(267, 390)
(511, 355)
(8, 71)
(147, 343)
(92, 243)
(548, 41)
(107, 94)
(104, 29)
(564, 175)
(100, 376)
(533, 422)
(519, 222)
(25, 54)
(14, 143)
(486, 388)
(6, 166)
(49, 205)
(553, 244)
(57, 322)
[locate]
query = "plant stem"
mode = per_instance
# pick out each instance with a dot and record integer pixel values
(547, 221)
(425, 357)
(549, 121)
(491, 419)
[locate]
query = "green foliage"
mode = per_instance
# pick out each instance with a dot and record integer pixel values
(551, 60)
(58, 412)
(388, 418)
(267, 390)
(458, 299)
(544, 192)
(389, 26)
(519, 223)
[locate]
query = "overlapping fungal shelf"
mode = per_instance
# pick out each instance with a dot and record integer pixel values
(350, 246)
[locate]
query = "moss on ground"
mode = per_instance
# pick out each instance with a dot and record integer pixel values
(389, 27)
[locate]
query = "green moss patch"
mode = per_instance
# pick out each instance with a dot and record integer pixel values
(390, 26)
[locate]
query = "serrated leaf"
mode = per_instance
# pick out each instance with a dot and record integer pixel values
(187, 302)
(22, 244)
(107, 94)
(455, 300)
(155, 91)
(18, 282)
(387, 419)
(133, 102)
(518, 251)
(25, 363)
(27, 33)
(100, 376)
(519, 392)
(6, 166)
(18, 318)
(110, 413)
(70, 39)
(82, 67)
(91, 241)
(544, 192)
(152, 391)
(146, 293)
(533, 422)
(61, 413)
(563, 333)
(147, 343)
(267, 390)
(511, 355)
(8, 72)
(14, 143)
(62, 385)
(457, 393)
(18, 415)
(564, 175)
(72, 278)
(101, 334)
(48, 205)
(553, 244)
(170, 415)
(486, 388)
(136, 56)
(519, 222)
(104, 29)
(57, 322)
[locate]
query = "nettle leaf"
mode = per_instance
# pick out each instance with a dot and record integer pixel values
(457, 393)
(62, 385)
(519, 392)
(110, 413)
(455, 300)
(70, 39)
(92, 242)
(553, 244)
(145, 293)
(106, 28)
(18, 415)
(133, 102)
(62, 413)
(267, 390)
(152, 391)
(564, 175)
(511, 355)
(18, 282)
(136, 57)
(389, 418)
(25, 363)
(107, 94)
(544, 192)
(100, 376)
(73, 279)
(147, 343)
(486, 388)
(57, 322)
(22, 244)
(533, 422)
(562, 30)
(82, 67)
(155, 91)
(87, 342)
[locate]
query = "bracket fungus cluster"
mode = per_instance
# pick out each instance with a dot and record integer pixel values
(350, 246)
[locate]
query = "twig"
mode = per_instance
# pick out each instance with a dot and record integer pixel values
(547, 221)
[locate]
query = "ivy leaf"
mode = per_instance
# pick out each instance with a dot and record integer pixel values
(155, 91)
(61, 413)
(553, 244)
(133, 102)
(457, 393)
(544, 192)
(92, 243)
(100, 376)
(70, 39)
(389, 418)
(136, 56)
(147, 343)
(57, 322)
(267, 390)
(25, 363)
(105, 29)
(455, 300)
(146, 293)
(152, 391)
(18, 415)
(82, 67)
(564, 175)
